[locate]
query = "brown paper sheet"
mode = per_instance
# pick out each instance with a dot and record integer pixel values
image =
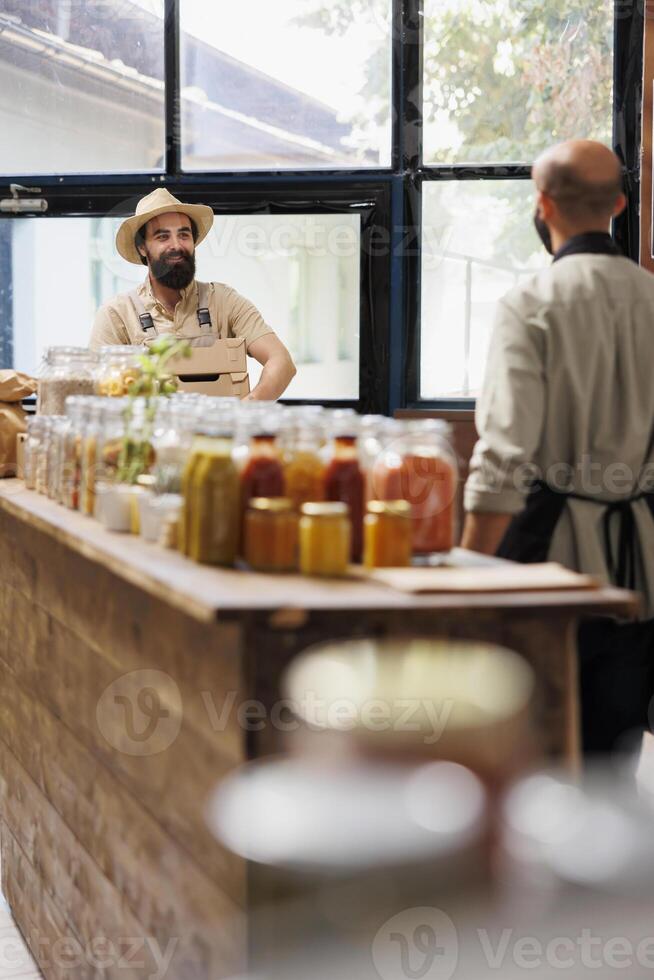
(12, 421)
(504, 578)
(14, 385)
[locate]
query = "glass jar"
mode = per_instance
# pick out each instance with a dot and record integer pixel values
(420, 466)
(58, 427)
(89, 457)
(344, 477)
(66, 371)
(36, 426)
(171, 440)
(77, 410)
(271, 535)
(118, 370)
(387, 534)
(304, 470)
(325, 539)
(209, 526)
(41, 465)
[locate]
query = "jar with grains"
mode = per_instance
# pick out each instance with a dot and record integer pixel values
(41, 459)
(271, 529)
(89, 453)
(325, 539)
(58, 424)
(66, 371)
(36, 425)
(77, 411)
(118, 370)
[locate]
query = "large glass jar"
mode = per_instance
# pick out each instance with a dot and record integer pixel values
(325, 539)
(65, 371)
(270, 535)
(118, 370)
(42, 457)
(420, 466)
(172, 439)
(344, 476)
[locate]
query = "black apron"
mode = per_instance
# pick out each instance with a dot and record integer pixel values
(616, 659)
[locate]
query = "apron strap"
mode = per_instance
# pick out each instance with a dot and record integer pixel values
(204, 316)
(147, 323)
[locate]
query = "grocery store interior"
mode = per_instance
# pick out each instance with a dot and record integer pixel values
(313, 665)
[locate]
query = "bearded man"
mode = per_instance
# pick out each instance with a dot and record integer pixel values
(163, 234)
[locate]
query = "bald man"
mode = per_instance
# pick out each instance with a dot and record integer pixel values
(564, 466)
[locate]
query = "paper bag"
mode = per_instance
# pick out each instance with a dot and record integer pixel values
(13, 420)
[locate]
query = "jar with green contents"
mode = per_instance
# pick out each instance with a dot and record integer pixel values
(211, 491)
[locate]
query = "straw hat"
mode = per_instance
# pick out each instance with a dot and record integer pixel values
(160, 201)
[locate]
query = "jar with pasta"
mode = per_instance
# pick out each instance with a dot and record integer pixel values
(36, 434)
(77, 412)
(118, 370)
(65, 371)
(58, 425)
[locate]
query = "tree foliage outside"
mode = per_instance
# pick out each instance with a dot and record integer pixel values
(503, 80)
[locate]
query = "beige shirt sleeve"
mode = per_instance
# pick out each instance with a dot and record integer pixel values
(108, 328)
(510, 415)
(244, 319)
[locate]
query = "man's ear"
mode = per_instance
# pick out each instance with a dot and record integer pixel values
(620, 205)
(545, 205)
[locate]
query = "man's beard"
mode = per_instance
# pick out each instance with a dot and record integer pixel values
(174, 275)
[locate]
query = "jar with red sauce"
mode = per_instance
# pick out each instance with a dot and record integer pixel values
(345, 478)
(262, 474)
(419, 465)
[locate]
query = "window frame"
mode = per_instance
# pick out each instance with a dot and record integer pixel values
(389, 368)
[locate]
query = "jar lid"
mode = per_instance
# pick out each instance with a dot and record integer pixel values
(325, 509)
(396, 508)
(54, 353)
(273, 505)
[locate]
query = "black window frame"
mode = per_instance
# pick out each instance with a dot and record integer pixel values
(389, 198)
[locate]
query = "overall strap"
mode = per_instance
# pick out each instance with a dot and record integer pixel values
(147, 323)
(204, 316)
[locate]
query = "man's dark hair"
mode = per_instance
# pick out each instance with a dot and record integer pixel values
(579, 199)
(139, 237)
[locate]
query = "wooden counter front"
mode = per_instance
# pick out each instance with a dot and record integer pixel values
(132, 680)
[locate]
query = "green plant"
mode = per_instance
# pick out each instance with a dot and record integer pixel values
(153, 382)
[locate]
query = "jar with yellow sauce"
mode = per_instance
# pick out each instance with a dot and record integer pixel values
(271, 535)
(387, 534)
(325, 538)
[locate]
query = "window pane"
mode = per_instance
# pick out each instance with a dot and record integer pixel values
(301, 271)
(81, 86)
(503, 79)
(478, 241)
(296, 84)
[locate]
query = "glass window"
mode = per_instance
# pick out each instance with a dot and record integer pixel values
(81, 86)
(478, 240)
(300, 84)
(301, 271)
(503, 79)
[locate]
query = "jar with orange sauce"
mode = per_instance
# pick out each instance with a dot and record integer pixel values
(387, 534)
(271, 535)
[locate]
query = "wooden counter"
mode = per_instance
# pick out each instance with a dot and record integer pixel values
(126, 680)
